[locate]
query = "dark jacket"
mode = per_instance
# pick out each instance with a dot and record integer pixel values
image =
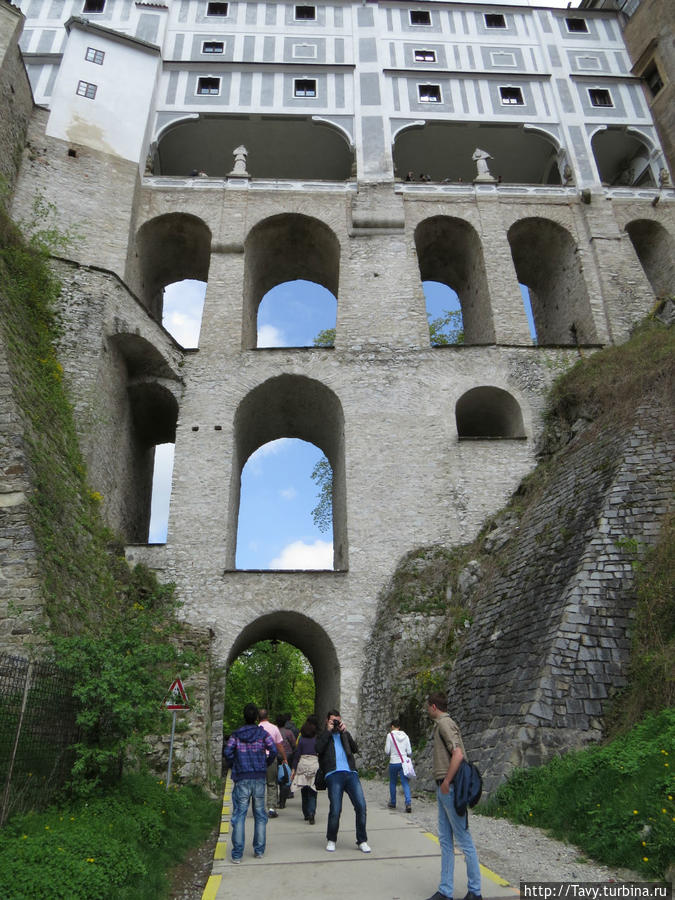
(249, 751)
(325, 750)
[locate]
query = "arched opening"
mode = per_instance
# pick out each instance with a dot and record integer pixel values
(286, 248)
(655, 249)
(449, 251)
(488, 413)
(182, 308)
(622, 158)
(147, 416)
(444, 151)
(310, 639)
(277, 528)
(162, 473)
(444, 312)
(292, 406)
(295, 147)
(546, 261)
(169, 249)
(527, 305)
(293, 313)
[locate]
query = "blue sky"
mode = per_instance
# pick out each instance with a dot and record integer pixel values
(276, 530)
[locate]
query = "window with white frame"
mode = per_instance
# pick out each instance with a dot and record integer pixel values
(425, 56)
(213, 47)
(511, 96)
(93, 6)
(94, 56)
(304, 51)
(577, 26)
(305, 13)
(503, 58)
(420, 17)
(217, 9)
(304, 87)
(429, 93)
(600, 97)
(495, 20)
(86, 89)
(208, 86)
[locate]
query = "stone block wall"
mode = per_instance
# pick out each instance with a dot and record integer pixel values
(16, 99)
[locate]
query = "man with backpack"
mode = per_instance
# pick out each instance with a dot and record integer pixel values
(448, 753)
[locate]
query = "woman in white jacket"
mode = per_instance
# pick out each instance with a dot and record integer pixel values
(398, 747)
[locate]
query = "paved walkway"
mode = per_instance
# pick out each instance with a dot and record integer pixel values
(404, 864)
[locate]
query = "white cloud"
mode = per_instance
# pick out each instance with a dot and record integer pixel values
(299, 555)
(182, 310)
(184, 328)
(289, 493)
(270, 336)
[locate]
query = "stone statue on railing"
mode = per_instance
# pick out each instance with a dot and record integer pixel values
(481, 157)
(239, 171)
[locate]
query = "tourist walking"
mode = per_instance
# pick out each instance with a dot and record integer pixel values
(336, 748)
(304, 764)
(272, 772)
(249, 752)
(448, 753)
(397, 746)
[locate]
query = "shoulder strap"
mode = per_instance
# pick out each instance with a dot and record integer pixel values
(396, 745)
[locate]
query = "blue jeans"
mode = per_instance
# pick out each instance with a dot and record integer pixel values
(395, 772)
(248, 789)
(452, 827)
(308, 801)
(348, 783)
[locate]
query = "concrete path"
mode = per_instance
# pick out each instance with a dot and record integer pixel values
(404, 864)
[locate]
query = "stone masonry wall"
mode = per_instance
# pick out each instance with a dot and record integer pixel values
(16, 99)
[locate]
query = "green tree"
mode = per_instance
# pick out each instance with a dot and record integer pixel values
(322, 514)
(271, 674)
(447, 329)
(325, 338)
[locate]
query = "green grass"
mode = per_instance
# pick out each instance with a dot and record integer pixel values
(116, 846)
(614, 802)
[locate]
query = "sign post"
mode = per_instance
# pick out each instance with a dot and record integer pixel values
(175, 699)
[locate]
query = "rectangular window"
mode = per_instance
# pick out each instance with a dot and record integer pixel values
(600, 97)
(207, 87)
(495, 20)
(213, 47)
(502, 58)
(425, 56)
(511, 96)
(588, 62)
(93, 6)
(85, 89)
(94, 56)
(429, 93)
(304, 87)
(304, 51)
(420, 17)
(577, 26)
(217, 9)
(652, 77)
(305, 13)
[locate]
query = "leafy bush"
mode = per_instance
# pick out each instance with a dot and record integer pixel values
(614, 801)
(115, 847)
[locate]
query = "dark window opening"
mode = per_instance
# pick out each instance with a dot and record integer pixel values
(305, 87)
(213, 47)
(85, 89)
(72, 153)
(217, 9)
(425, 56)
(495, 20)
(94, 56)
(652, 77)
(305, 13)
(511, 96)
(420, 17)
(600, 97)
(208, 86)
(93, 6)
(429, 93)
(578, 26)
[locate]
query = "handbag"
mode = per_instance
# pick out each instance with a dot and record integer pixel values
(319, 781)
(406, 763)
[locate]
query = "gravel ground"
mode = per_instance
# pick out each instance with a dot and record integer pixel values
(515, 852)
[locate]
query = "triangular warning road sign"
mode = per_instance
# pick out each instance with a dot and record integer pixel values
(176, 697)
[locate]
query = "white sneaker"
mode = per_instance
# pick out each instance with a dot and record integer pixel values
(330, 846)
(363, 847)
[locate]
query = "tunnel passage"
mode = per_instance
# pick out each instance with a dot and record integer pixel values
(450, 252)
(169, 248)
(146, 415)
(310, 638)
(547, 262)
(284, 248)
(655, 249)
(488, 412)
(292, 406)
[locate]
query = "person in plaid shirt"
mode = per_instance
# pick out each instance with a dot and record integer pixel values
(249, 751)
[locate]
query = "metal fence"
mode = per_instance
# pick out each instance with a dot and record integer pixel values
(37, 726)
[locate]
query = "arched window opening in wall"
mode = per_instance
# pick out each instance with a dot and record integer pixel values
(308, 637)
(444, 151)
(292, 406)
(182, 308)
(655, 248)
(161, 493)
(279, 525)
(622, 158)
(527, 304)
(295, 313)
(444, 312)
(286, 248)
(168, 249)
(488, 413)
(449, 252)
(547, 263)
(296, 147)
